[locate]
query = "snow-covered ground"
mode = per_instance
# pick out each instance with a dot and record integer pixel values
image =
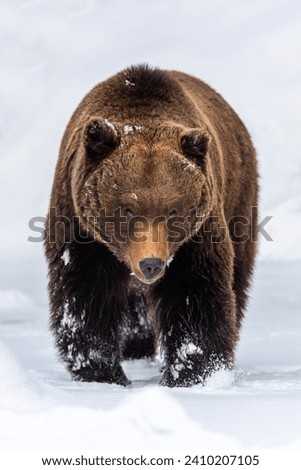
(257, 405)
(52, 53)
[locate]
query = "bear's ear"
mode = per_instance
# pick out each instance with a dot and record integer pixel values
(195, 144)
(100, 138)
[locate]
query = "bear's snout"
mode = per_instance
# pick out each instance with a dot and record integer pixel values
(151, 267)
(147, 257)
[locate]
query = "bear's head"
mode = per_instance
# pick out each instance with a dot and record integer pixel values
(143, 192)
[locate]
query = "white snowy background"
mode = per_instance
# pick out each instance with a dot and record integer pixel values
(51, 53)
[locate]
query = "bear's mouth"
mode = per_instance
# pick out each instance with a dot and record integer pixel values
(148, 281)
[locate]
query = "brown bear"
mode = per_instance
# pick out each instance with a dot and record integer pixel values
(151, 230)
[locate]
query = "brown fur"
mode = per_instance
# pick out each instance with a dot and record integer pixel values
(156, 144)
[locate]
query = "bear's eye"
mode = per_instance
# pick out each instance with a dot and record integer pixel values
(172, 214)
(128, 213)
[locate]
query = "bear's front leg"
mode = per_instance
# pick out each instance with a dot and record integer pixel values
(190, 356)
(197, 317)
(87, 304)
(90, 356)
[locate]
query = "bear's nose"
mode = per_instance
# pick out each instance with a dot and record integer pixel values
(151, 267)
